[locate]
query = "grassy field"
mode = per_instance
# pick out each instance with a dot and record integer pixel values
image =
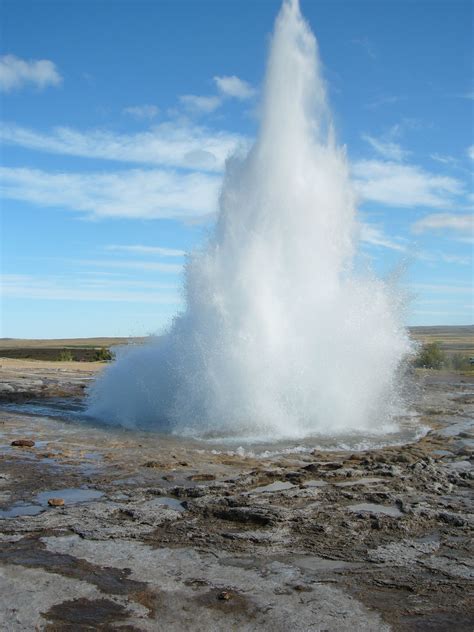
(456, 339)
(452, 340)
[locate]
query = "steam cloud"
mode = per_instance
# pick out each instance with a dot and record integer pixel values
(280, 337)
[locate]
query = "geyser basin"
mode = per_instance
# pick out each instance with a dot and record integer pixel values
(281, 337)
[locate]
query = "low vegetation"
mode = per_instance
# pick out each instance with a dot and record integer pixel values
(432, 356)
(103, 355)
(66, 356)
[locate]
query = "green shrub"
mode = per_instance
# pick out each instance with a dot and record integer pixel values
(103, 355)
(430, 356)
(459, 362)
(66, 356)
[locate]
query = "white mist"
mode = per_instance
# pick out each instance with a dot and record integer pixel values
(280, 337)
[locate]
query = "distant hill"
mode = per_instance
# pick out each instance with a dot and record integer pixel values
(453, 339)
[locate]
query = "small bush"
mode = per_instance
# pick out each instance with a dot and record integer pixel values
(66, 356)
(459, 362)
(103, 355)
(430, 356)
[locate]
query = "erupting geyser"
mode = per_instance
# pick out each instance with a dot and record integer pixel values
(280, 337)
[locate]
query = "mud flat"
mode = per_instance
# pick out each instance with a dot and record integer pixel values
(155, 533)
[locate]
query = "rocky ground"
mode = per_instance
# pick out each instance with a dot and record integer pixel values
(150, 533)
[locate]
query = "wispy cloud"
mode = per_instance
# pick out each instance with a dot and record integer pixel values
(386, 148)
(374, 235)
(232, 86)
(65, 289)
(394, 184)
(16, 73)
(455, 259)
(436, 257)
(146, 112)
(466, 95)
(453, 287)
(129, 264)
(200, 104)
(149, 194)
(384, 99)
(366, 45)
(443, 222)
(470, 152)
(168, 144)
(444, 160)
(151, 250)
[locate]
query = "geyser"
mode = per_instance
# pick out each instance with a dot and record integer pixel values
(280, 337)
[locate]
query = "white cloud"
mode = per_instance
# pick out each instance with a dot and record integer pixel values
(65, 289)
(437, 257)
(466, 311)
(128, 264)
(366, 45)
(456, 259)
(149, 194)
(374, 235)
(394, 184)
(387, 148)
(232, 86)
(453, 287)
(15, 73)
(382, 100)
(152, 250)
(444, 160)
(444, 221)
(200, 104)
(142, 111)
(470, 152)
(168, 144)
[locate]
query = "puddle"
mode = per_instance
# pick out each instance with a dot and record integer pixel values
(376, 509)
(454, 429)
(360, 481)
(167, 501)
(21, 509)
(71, 496)
(315, 563)
(278, 486)
(315, 482)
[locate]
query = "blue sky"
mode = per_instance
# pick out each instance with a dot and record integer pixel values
(118, 117)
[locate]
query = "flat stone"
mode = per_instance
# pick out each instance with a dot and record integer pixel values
(23, 443)
(55, 502)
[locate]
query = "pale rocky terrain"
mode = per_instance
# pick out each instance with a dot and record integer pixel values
(160, 534)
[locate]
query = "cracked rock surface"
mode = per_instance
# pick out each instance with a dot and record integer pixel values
(161, 534)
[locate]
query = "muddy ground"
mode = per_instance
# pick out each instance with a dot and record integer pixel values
(158, 534)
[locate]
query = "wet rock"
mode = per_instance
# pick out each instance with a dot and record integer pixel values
(302, 588)
(154, 465)
(245, 515)
(452, 519)
(189, 492)
(55, 502)
(202, 477)
(23, 443)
